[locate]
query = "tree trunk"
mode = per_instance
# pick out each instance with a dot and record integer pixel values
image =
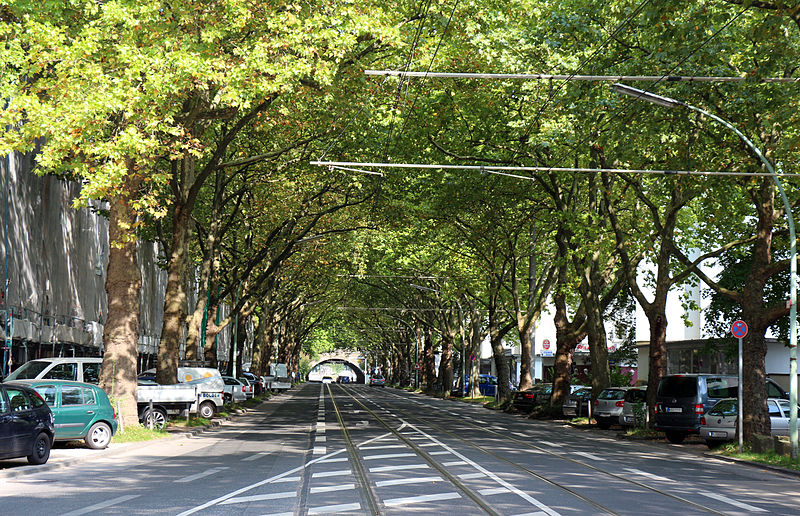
(428, 361)
(446, 366)
(121, 331)
(526, 357)
(174, 299)
(568, 336)
(657, 358)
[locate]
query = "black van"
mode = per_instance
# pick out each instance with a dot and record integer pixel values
(682, 399)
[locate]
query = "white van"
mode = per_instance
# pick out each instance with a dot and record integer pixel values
(77, 369)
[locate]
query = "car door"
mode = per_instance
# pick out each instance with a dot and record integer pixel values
(779, 416)
(8, 443)
(76, 411)
(20, 420)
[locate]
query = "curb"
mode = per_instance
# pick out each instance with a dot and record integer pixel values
(28, 469)
(734, 460)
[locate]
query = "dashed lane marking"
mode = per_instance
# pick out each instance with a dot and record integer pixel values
(259, 498)
(493, 491)
(328, 489)
(470, 476)
(380, 469)
(389, 456)
(286, 480)
(337, 473)
(731, 501)
(394, 502)
(589, 455)
(404, 481)
(332, 509)
(101, 505)
(206, 473)
(256, 456)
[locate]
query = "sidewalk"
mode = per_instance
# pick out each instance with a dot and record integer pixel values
(74, 452)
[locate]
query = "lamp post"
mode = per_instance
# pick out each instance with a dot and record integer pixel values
(672, 103)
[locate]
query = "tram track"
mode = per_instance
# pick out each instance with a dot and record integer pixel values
(520, 467)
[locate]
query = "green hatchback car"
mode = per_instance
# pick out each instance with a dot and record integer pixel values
(81, 410)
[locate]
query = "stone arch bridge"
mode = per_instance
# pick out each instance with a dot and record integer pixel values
(354, 360)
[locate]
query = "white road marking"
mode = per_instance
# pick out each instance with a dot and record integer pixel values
(550, 443)
(279, 514)
(403, 481)
(383, 447)
(520, 434)
(747, 507)
(101, 505)
(427, 445)
(455, 463)
(206, 473)
(258, 498)
(389, 456)
(646, 474)
(256, 456)
(320, 450)
(328, 489)
(443, 452)
(497, 479)
(329, 458)
(588, 455)
(493, 491)
(286, 479)
(320, 439)
(399, 468)
(470, 476)
(537, 513)
(332, 509)
(325, 474)
(394, 502)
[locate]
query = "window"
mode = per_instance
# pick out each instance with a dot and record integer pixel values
(611, 394)
(18, 400)
(71, 395)
(88, 396)
(48, 392)
(722, 387)
(3, 404)
(91, 373)
(774, 411)
(773, 391)
(65, 371)
(724, 408)
(678, 387)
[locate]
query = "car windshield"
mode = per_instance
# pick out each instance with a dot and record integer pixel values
(611, 394)
(678, 387)
(29, 370)
(724, 408)
(582, 393)
(635, 396)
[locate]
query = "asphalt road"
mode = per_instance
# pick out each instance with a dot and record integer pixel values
(352, 449)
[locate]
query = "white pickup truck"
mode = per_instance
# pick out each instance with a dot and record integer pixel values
(278, 379)
(205, 383)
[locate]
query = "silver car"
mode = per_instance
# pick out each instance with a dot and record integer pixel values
(608, 406)
(718, 425)
(234, 389)
(634, 406)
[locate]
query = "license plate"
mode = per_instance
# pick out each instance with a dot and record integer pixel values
(718, 434)
(674, 409)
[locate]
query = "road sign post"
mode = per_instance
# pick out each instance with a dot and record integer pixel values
(739, 330)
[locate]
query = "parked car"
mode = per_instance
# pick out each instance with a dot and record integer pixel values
(633, 407)
(377, 380)
(26, 424)
(256, 381)
(343, 378)
(719, 424)
(81, 411)
(487, 385)
(682, 399)
(77, 369)
(234, 390)
(608, 406)
(577, 403)
(526, 400)
(210, 387)
(247, 387)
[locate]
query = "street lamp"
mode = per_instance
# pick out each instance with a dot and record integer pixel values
(672, 103)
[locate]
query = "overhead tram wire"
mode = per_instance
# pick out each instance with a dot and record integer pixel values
(619, 111)
(590, 78)
(422, 13)
(430, 65)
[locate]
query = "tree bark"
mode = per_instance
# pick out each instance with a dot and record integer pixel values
(428, 361)
(446, 366)
(123, 283)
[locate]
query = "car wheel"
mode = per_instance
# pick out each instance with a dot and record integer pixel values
(676, 437)
(99, 436)
(157, 419)
(41, 449)
(207, 410)
(227, 398)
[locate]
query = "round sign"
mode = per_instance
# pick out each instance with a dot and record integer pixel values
(739, 329)
(546, 344)
(472, 357)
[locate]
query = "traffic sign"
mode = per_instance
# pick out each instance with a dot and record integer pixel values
(739, 329)
(472, 357)
(546, 344)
